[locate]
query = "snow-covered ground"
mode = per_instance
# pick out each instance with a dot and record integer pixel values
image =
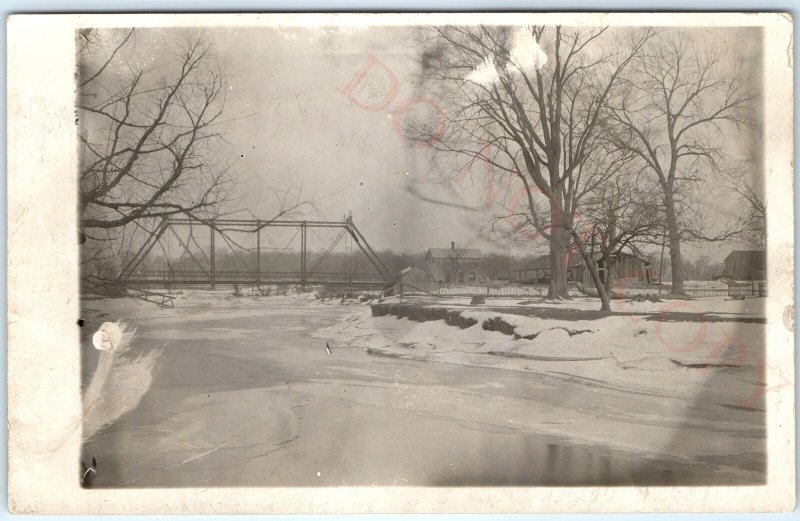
(655, 387)
(644, 351)
(653, 351)
(750, 307)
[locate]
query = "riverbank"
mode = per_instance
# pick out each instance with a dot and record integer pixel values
(704, 358)
(671, 348)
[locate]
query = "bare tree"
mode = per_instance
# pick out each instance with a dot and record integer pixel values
(755, 221)
(149, 148)
(146, 137)
(621, 216)
(679, 97)
(531, 103)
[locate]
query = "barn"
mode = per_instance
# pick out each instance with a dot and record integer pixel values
(538, 271)
(454, 265)
(628, 267)
(746, 265)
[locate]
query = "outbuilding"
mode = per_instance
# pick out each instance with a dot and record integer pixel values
(746, 265)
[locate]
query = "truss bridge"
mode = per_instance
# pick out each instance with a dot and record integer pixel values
(241, 252)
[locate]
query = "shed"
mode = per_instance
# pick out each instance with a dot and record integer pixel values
(746, 265)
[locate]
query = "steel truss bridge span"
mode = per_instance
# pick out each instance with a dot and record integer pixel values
(204, 270)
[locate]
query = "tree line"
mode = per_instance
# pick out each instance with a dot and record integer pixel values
(610, 136)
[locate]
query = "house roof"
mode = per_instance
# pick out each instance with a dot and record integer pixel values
(750, 255)
(455, 253)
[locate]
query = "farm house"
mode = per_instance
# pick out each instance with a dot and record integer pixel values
(454, 265)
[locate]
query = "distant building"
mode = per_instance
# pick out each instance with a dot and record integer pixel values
(627, 267)
(746, 265)
(538, 271)
(454, 265)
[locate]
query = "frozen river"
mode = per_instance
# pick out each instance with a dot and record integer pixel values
(244, 395)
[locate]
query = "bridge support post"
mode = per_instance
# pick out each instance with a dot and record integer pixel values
(303, 255)
(258, 253)
(212, 256)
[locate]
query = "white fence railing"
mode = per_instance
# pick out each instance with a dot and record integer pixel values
(540, 290)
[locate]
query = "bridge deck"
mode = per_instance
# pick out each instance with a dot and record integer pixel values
(193, 278)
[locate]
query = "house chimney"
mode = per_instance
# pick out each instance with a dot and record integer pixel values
(452, 245)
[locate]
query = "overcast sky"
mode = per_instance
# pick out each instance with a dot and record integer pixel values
(288, 122)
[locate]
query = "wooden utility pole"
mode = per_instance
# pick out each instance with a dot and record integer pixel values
(661, 262)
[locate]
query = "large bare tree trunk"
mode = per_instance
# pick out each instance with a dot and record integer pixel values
(676, 262)
(559, 262)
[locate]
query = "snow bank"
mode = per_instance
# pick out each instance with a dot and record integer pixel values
(651, 354)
